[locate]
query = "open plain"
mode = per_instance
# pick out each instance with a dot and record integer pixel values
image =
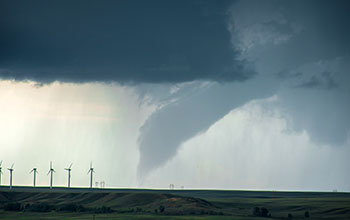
(27, 203)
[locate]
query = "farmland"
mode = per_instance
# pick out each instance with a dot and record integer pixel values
(26, 203)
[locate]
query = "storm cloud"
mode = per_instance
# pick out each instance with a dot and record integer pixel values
(123, 41)
(300, 51)
(194, 61)
(193, 112)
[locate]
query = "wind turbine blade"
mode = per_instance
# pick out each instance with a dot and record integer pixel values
(48, 172)
(0, 163)
(12, 165)
(90, 164)
(70, 165)
(50, 164)
(31, 171)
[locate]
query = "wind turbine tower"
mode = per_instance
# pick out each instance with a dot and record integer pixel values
(69, 169)
(11, 170)
(91, 171)
(0, 171)
(51, 171)
(34, 170)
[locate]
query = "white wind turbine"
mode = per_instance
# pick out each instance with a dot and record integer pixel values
(34, 170)
(51, 171)
(0, 171)
(69, 169)
(91, 171)
(11, 170)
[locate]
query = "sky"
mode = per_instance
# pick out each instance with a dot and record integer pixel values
(246, 94)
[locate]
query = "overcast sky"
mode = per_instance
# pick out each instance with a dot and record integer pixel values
(201, 94)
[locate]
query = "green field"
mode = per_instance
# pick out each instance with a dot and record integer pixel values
(26, 203)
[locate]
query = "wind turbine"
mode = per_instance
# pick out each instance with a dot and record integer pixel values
(34, 170)
(11, 170)
(69, 169)
(51, 171)
(0, 171)
(91, 171)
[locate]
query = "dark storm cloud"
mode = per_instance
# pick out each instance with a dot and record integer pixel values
(288, 74)
(125, 41)
(314, 82)
(311, 61)
(282, 35)
(300, 50)
(325, 81)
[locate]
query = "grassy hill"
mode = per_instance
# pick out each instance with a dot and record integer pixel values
(77, 203)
